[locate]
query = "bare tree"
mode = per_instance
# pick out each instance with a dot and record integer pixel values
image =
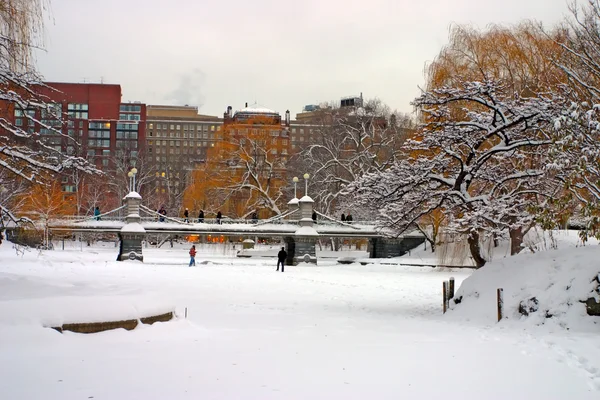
(24, 153)
(349, 143)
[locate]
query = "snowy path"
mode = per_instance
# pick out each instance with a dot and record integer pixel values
(351, 332)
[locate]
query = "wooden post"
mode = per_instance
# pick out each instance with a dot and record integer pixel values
(500, 300)
(451, 288)
(445, 295)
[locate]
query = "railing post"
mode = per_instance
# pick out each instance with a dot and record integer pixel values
(500, 303)
(445, 295)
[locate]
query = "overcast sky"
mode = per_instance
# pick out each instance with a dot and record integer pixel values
(283, 54)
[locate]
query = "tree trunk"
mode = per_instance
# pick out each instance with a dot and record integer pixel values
(474, 246)
(432, 243)
(516, 239)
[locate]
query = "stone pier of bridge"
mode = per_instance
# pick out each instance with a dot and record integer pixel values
(301, 248)
(133, 233)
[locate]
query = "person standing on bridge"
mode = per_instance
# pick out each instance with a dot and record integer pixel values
(162, 213)
(193, 255)
(349, 218)
(281, 256)
(201, 217)
(343, 217)
(97, 213)
(219, 216)
(186, 215)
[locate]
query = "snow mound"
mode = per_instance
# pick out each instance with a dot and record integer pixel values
(550, 286)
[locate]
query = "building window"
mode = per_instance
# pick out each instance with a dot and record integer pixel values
(77, 110)
(130, 108)
(129, 117)
(99, 125)
(172, 127)
(19, 122)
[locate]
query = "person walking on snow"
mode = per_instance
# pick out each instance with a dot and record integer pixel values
(193, 256)
(97, 213)
(201, 216)
(281, 256)
(186, 216)
(219, 216)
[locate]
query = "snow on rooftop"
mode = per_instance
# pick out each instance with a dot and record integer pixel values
(257, 110)
(293, 201)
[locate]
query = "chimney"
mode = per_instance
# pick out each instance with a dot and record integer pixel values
(229, 112)
(287, 117)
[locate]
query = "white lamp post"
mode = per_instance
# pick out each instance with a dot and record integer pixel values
(131, 174)
(295, 180)
(306, 176)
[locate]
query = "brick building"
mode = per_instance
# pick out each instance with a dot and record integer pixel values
(92, 114)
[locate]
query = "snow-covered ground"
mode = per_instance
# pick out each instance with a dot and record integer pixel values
(325, 332)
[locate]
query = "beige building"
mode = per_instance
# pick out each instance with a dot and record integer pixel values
(176, 140)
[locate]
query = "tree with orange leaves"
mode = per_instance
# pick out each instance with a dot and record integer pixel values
(523, 57)
(48, 201)
(245, 171)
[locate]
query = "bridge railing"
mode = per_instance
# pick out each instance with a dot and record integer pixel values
(224, 221)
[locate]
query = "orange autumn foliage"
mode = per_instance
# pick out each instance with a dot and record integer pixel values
(243, 172)
(48, 201)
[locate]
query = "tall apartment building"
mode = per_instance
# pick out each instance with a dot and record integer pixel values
(177, 140)
(105, 129)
